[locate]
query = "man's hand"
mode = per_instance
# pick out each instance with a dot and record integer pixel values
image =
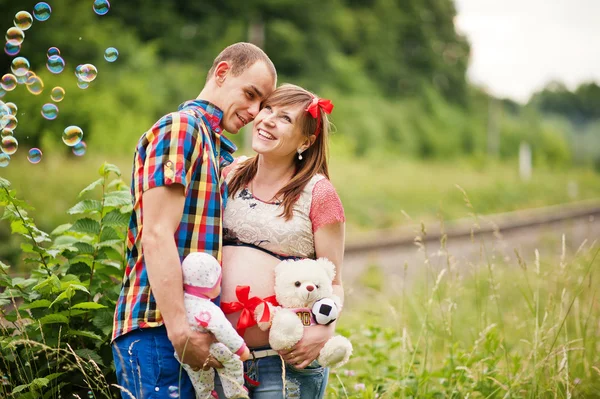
(192, 348)
(308, 348)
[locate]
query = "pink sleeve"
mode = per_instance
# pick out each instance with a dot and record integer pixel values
(326, 206)
(227, 169)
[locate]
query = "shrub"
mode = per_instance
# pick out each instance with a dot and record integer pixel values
(58, 321)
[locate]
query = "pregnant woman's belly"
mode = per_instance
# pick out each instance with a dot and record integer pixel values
(254, 268)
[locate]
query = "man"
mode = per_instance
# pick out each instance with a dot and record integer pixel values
(177, 209)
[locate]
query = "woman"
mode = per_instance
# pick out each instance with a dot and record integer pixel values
(281, 205)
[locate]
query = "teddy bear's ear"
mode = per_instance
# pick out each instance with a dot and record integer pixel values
(282, 265)
(328, 266)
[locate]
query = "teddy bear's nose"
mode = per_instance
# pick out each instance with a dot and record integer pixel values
(310, 287)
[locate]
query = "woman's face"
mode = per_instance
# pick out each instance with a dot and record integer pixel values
(276, 131)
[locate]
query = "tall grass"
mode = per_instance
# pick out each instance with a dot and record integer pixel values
(490, 328)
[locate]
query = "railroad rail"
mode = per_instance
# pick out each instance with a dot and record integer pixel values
(488, 224)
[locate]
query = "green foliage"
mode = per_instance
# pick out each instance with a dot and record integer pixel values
(57, 321)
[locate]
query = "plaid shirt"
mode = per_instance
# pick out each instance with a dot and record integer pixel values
(186, 148)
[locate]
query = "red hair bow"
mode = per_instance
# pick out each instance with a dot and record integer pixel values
(313, 110)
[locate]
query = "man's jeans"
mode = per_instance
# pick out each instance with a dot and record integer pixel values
(308, 383)
(146, 366)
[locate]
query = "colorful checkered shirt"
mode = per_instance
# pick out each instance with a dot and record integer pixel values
(184, 147)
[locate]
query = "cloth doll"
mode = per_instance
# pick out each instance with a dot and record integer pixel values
(201, 283)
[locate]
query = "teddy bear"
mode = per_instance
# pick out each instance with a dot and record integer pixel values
(300, 287)
(202, 283)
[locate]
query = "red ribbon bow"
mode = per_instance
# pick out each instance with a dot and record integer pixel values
(247, 305)
(317, 103)
(313, 110)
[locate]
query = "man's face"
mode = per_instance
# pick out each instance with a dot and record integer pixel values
(243, 94)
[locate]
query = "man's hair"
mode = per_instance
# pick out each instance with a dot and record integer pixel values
(242, 56)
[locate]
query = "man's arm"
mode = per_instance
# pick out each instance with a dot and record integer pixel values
(162, 211)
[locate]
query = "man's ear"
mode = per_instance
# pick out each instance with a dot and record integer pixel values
(221, 72)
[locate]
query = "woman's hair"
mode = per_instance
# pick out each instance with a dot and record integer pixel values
(314, 159)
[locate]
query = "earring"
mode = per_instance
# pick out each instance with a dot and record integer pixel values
(299, 155)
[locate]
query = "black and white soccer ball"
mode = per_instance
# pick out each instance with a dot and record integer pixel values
(325, 311)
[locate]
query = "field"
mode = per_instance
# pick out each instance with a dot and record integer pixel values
(484, 330)
(376, 193)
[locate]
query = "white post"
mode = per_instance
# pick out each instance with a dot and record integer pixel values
(525, 161)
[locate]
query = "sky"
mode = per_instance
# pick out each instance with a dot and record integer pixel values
(518, 46)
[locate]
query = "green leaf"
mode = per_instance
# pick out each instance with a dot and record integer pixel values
(39, 383)
(87, 334)
(117, 199)
(40, 303)
(87, 226)
(116, 218)
(88, 305)
(117, 184)
(4, 183)
(18, 227)
(84, 248)
(66, 294)
(109, 243)
(108, 168)
(61, 229)
(52, 283)
(86, 206)
(108, 233)
(92, 186)
(19, 388)
(53, 319)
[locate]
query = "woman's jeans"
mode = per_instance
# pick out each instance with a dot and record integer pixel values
(308, 383)
(147, 368)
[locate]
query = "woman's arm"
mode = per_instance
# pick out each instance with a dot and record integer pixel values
(329, 243)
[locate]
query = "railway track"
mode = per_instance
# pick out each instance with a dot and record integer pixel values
(523, 230)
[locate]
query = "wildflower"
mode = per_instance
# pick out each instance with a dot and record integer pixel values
(359, 387)
(349, 373)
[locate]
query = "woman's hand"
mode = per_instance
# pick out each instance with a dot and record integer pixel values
(308, 348)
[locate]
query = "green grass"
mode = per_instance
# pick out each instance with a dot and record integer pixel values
(478, 331)
(374, 191)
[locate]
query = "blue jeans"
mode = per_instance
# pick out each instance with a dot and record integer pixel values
(146, 366)
(308, 383)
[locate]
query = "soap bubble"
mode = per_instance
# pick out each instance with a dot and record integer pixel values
(52, 51)
(42, 11)
(4, 160)
(34, 156)
(22, 79)
(9, 145)
(12, 48)
(10, 122)
(35, 85)
(55, 64)
(15, 34)
(101, 7)
(72, 135)
(82, 85)
(8, 82)
(57, 94)
(49, 111)
(20, 66)
(2, 92)
(12, 107)
(6, 132)
(173, 391)
(86, 72)
(23, 20)
(4, 113)
(80, 148)
(111, 54)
